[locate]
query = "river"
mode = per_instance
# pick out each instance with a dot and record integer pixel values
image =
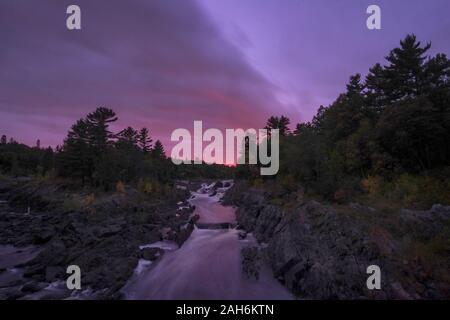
(207, 265)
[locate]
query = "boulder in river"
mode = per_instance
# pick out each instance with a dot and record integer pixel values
(151, 254)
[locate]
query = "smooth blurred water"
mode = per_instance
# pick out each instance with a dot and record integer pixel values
(207, 266)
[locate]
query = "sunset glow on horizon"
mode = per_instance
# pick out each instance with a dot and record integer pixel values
(164, 64)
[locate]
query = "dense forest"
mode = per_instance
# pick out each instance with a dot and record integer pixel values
(387, 135)
(92, 155)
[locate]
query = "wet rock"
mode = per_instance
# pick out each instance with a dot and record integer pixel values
(43, 235)
(103, 238)
(251, 262)
(425, 224)
(10, 280)
(362, 208)
(146, 235)
(32, 287)
(108, 231)
(53, 274)
(242, 235)
(53, 254)
(151, 254)
(11, 293)
(55, 294)
(194, 218)
(218, 184)
(317, 253)
(443, 212)
(167, 233)
(34, 270)
(164, 232)
(399, 292)
(184, 233)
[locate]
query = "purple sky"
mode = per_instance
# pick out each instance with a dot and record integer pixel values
(163, 64)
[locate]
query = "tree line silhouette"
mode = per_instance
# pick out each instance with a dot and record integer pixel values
(93, 155)
(394, 121)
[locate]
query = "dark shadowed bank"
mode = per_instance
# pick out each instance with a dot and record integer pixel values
(47, 226)
(317, 250)
(321, 252)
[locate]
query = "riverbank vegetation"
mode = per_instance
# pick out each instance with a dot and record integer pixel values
(92, 156)
(385, 139)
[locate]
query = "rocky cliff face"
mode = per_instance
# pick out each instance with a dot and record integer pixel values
(320, 254)
(102, 237)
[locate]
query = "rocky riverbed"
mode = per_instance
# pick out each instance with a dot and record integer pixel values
(212, 263)
(189, 245)
(319, 252)
(41, 235)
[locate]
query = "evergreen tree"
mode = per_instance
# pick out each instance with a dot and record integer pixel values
(98, 125)
(301, 127)
(128, 137)
(376, 84)
(280, 123)
(77, 156)
(354, 87)
(3, 140)
(405, 74)
(317, 121)
(144, 140)
(411, 132)
(158, 150)
(437, 75)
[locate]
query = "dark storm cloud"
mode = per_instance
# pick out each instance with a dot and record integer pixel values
(160, 64)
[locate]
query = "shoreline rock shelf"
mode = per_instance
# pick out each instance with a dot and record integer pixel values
(319, 253)
(102, 239)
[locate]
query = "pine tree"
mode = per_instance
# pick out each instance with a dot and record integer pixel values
(317, 121)
(437, 74)
(3, 140)
(280, 123)
(144, 140)
(354, 87)
(128, 137)
(158, 150)
(98, 124)
(77, 156)
(376, 84)
(405, 74)
(302, 127)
